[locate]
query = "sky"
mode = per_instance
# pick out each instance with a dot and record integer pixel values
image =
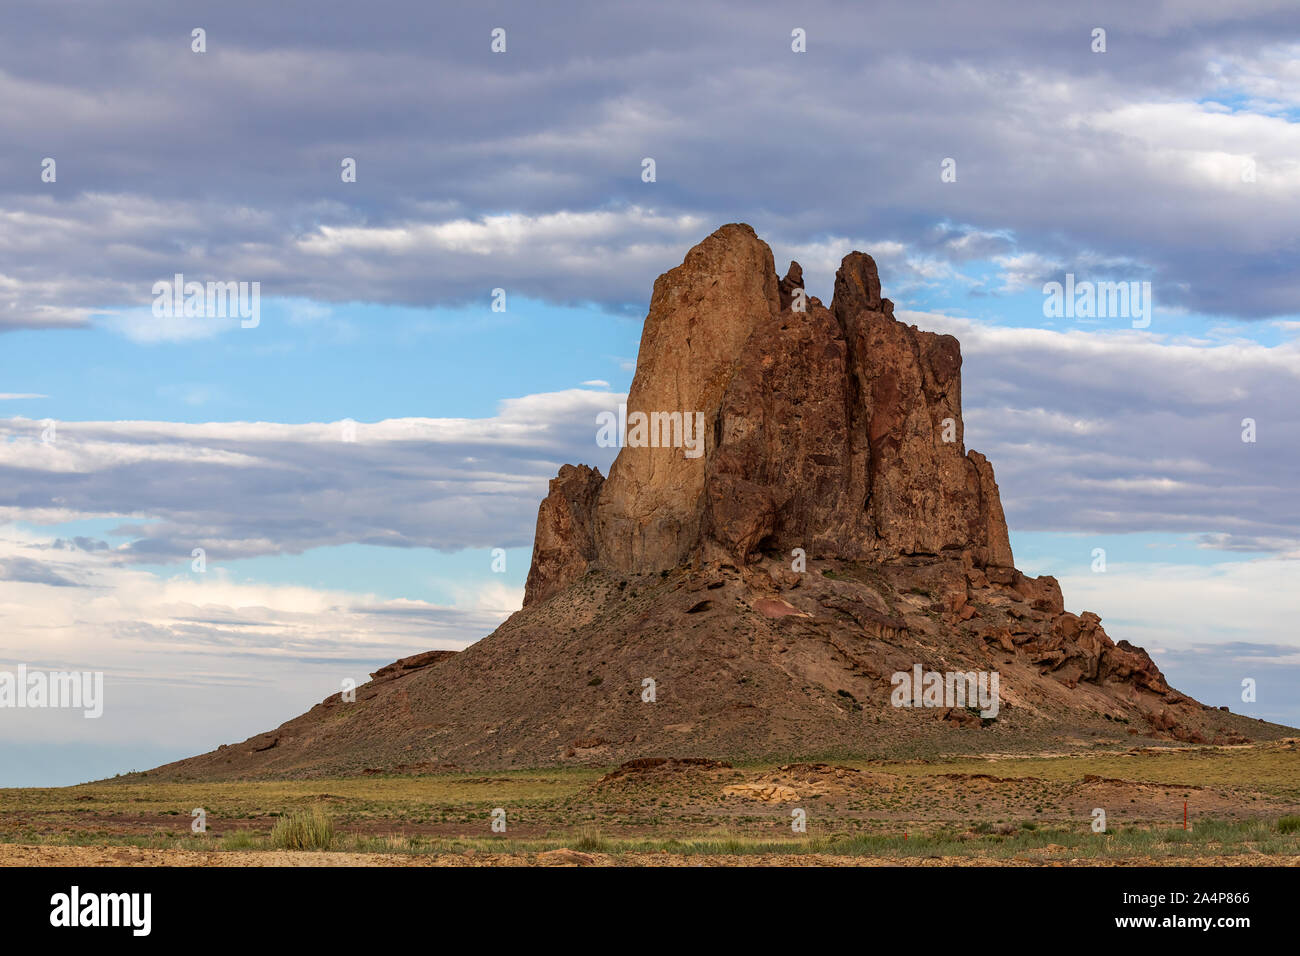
(229, 521)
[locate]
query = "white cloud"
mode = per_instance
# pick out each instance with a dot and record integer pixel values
(1026, 270)
(1205, 148)
(1151, 604)
(194, 645)
(241, 489)
(1133, 431)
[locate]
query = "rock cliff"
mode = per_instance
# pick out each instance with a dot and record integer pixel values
(836, 430)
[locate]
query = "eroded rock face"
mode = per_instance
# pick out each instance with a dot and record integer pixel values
(837, 430)
(991, 522)
(1076, 648)
(924, 495)
(408, 665)
(702, 315)
(565, 542)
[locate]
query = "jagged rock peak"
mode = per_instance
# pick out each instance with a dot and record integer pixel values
(772, 422)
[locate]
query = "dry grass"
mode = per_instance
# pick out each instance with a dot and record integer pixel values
(310, 829)
(1249, 800)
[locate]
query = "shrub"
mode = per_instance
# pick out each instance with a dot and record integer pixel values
(303, 830)
(590, 841)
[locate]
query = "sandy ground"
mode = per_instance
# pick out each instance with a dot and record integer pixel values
(13, 854)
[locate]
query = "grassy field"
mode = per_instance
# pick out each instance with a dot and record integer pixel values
(1239, 801)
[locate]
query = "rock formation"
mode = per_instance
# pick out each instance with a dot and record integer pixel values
(668, 612)
(836, 430)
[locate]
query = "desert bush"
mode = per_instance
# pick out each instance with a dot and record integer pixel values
(590, 841)
(303, 829)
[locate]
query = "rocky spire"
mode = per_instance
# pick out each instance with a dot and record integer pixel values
(837, 430)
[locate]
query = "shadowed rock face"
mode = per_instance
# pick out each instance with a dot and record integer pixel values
(836, 430)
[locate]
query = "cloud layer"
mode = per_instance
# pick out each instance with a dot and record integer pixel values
(246, 489)
(523, 169)
(1088, 431)
(1129, 432)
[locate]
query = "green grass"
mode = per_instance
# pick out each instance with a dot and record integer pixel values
(243, 840)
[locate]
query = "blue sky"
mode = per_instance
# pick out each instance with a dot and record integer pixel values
(310, 362)
(326, 558)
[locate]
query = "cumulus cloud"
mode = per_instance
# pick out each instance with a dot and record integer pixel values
(523, 170)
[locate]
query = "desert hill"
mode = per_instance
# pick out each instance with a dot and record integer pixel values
(751, 595)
